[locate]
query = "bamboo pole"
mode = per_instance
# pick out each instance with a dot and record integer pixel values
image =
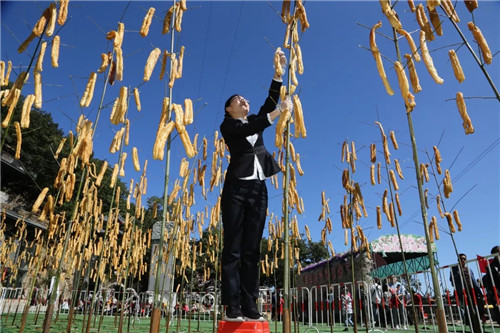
(50, 307)
(101, 254)
(353, 277)
(218, 251)
(73, 300)
(475, 321)
(405, 266)
(30, 292)
(440, 315)
(286, 217)
(129, 250)
(157, 299)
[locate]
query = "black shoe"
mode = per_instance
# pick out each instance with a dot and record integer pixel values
(346, 329)
(233, 313)
(251, 314)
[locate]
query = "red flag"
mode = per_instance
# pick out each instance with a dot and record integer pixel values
(483, 263)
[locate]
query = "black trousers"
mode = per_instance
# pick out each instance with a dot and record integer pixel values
(243, 206)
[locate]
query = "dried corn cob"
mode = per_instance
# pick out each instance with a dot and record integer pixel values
(135, 158)
(411, 4)
(398, 168)
(424, 24)
(167, 20)
(101, 173)
(438, 202)
(19, 140)
(378, 58)
(6, 120)
(393, 139)
(51, 19)
(393, 179)
(300, 128)
(39, 200)
(467, 124)
(411, 43)
(471, 5)
(448, 186)
(146, 22)
(179, 64)
(457, 220)
(400, 211)
(150, 63)
(38, 90)
(415, 82)
(119, 64)
(429, 64)
(449, 9)
(63, 11)
(437, 159)
(404, 87)
(372, 174)
(59, 148)
(137, 99)
(285, 11)
(41, 55)
(457, 68)
(379, 177)
(483, 45)
(188, 114)
(436, 22)
(105, 60)
(89, 91)
(54, 54)
(450, 222)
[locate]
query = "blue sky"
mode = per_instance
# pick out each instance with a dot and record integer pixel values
(229, 49)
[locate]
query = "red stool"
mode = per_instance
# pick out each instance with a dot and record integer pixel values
(243, 327)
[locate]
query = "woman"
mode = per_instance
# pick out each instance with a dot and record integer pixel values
(244, 199)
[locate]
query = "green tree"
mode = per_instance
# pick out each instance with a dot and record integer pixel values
(310, 253)
(39, 143)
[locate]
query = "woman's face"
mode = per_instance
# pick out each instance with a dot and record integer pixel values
(239, 107)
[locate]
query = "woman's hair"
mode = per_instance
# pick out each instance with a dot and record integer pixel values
(228, 102)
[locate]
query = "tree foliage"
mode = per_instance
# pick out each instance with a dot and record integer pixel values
(39, 144)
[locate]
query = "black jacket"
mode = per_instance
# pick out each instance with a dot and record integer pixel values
(492, 280)
(242, 153)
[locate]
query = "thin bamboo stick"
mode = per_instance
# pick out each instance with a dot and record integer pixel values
(440, 315)
(156, 313)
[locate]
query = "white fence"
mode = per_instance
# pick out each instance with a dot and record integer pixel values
(316, 306)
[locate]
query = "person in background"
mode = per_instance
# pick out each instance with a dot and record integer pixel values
(398, 294)
(462, 278)
(491, 281)
(347, 308)
(244, 198)
(376, 295)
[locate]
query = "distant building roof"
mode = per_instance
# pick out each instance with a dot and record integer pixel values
(411, 244)
(17, 216)
(13, 163)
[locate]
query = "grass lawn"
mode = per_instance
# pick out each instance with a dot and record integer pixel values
(142, 325)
